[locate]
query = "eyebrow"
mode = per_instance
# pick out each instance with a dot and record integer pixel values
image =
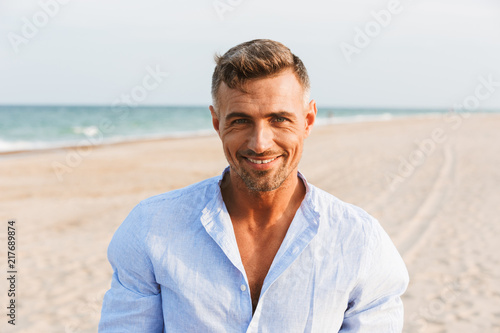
(285, 114)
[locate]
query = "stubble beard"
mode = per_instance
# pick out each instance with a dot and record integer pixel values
(265, 180)
(258, 182)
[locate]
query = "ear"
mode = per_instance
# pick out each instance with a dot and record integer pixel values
(215, 119)
(310, 116)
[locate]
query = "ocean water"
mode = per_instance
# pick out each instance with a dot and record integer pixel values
(43, 127)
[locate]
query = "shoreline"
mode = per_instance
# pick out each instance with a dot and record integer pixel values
(320, 122)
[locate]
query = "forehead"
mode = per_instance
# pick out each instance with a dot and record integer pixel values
(282, 91)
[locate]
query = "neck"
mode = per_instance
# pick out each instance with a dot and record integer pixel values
(262, 210)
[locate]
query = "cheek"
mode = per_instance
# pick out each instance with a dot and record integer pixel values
(231, 143)
(290, 139)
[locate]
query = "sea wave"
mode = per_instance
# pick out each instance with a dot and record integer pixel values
(92, 140)
(88, 130)
(354, 119)
(22, 145)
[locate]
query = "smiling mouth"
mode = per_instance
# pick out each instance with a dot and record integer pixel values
(261, 161)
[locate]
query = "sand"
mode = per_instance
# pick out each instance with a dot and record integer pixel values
(433, 183)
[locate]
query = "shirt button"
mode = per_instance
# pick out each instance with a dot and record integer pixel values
(243, 287)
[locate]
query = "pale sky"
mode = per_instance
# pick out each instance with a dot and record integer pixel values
(428, 54)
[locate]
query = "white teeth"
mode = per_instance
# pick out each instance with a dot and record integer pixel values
(261, 161)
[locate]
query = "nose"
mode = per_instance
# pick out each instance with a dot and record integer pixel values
(261, 138)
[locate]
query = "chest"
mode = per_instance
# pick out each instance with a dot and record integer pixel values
(257, 255)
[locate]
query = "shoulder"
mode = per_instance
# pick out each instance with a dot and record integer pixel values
(346, 227)
(205, 188)
(350, 232)
(174, 207)
(337, 213)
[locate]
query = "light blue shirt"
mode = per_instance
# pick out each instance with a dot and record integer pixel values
(177, 268)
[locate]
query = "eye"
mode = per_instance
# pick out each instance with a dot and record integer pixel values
(240, 121)
(280, 119)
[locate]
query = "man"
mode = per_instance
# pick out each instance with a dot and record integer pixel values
(257, 249)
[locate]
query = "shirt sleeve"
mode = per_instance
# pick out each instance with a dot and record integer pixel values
(375, 303)
(133, 303)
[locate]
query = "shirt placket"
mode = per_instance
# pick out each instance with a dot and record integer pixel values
(303, 229)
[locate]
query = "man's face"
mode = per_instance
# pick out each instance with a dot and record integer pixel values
(263, 130)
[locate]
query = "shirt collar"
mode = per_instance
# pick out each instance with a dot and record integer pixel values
(302, 230)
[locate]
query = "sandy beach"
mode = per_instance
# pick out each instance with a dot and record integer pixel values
(433, 182)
